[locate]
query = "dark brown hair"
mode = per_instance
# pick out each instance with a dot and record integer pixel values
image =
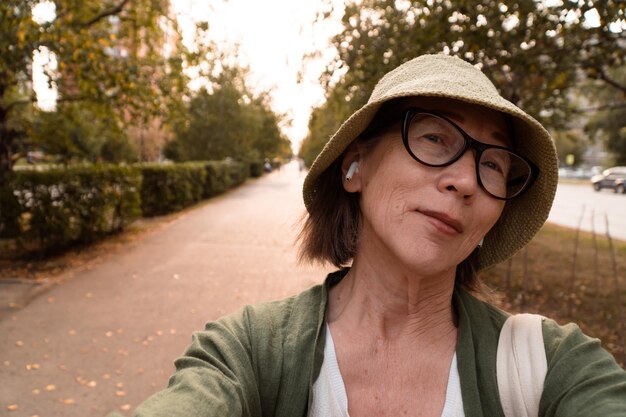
(330, 231)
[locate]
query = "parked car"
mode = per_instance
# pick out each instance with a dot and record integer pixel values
(613, 178)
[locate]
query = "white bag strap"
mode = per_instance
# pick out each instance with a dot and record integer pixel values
(521, 365)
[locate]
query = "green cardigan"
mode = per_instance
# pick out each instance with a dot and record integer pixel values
(262, 361)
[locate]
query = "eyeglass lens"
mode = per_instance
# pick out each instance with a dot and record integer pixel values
(434, 141)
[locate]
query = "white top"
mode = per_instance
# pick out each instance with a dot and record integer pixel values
(329, 393)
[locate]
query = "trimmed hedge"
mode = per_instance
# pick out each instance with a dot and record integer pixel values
(58, 207)
(55, 208)
(256, 169)
(169, 188)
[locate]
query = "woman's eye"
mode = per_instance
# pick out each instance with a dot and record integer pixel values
(492, 165)
(432, 138)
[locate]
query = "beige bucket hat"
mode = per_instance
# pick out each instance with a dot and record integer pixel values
(450, 77)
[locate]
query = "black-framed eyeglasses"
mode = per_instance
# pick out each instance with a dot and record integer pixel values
(436, 141)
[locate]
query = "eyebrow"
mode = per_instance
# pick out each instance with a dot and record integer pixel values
(459, 117)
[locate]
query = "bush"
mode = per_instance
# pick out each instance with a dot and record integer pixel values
(59, 207)
(169, 188)
(238, 172)
(256, 169)
(223, 175)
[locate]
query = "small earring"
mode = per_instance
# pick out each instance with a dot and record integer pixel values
(354, 167)
(480, 244)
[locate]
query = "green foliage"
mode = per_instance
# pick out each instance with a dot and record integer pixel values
(256, 169)
(124, 57)
(10, 210)
(324, 121)
(60, 207)
(569, 143)
(172, 187)
(227, 122)
(78, 133)
(608, 123)
(533, 52)
(169, 188)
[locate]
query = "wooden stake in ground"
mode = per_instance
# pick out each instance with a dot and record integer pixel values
(572, 283)
(509, 267)
(525, 278)
(596, 276)
(618, 293)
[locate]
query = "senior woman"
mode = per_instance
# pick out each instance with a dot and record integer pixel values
(434, 179)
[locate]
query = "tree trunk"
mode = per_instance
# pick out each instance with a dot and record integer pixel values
(8, 204)
(6, 154)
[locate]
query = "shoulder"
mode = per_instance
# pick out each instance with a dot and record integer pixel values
(583, 379)
(568, 342)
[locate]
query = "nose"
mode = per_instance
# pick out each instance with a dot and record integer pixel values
(460, 177)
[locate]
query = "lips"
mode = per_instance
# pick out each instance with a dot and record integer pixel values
(444, 218)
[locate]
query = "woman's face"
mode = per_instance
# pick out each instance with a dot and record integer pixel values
(423, 218)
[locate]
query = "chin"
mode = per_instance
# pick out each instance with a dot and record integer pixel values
(429, 263)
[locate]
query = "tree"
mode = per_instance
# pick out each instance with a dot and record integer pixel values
(110, 53)
(569, 144)
(607, 120)
(81, 133)
(533, 52)
(227, 122)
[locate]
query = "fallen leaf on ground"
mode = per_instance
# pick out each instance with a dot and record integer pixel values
(109, 334)
(36, 391)
(50, 387)
(32, 366)
(69, 401)
(19, 343)
(125, 407)
(12, 407)
(120, 393)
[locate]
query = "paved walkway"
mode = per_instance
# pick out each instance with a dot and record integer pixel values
(106, 338)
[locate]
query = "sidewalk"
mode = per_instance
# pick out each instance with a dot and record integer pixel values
(106, 338)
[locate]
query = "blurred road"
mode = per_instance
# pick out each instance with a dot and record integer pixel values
(106, 338)
(576, 201)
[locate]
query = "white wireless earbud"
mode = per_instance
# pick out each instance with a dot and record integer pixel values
(480, 244)
(354, 167)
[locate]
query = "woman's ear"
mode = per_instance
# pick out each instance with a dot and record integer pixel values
(350, 169)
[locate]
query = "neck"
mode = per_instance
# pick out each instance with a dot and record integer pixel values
(392, 303)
